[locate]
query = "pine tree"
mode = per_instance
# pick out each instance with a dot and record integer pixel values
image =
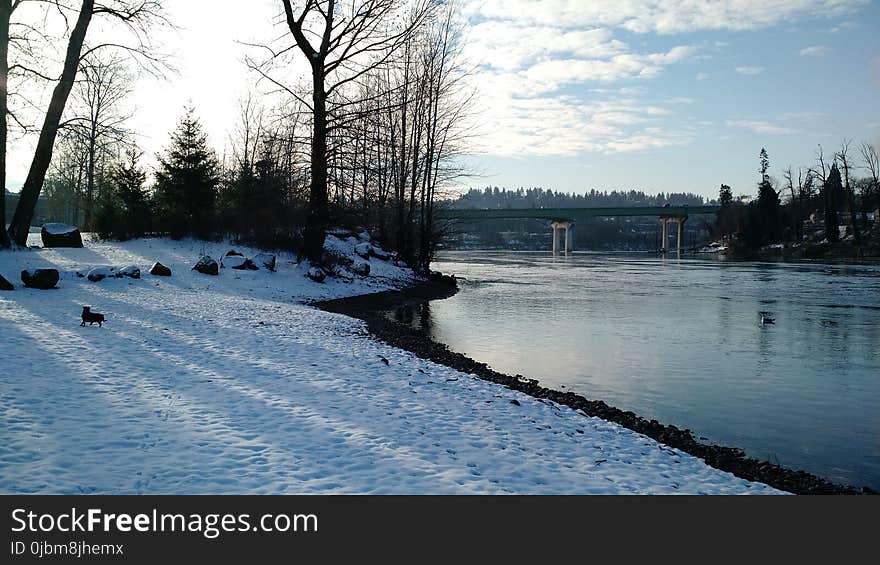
(831, 194)
(129, 185)
(187, 180)
(769, 217)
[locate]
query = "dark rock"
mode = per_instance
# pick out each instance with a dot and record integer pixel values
(247, 265)
(60, 235)
(317, 274)
(515, 402)
(160, 270)
(131, 272)
(5, 284)
(43, 279)
(361, 268)
(265, 261)
(233, 253)
(207, 266)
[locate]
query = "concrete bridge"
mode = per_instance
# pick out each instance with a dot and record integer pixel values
(562, 219)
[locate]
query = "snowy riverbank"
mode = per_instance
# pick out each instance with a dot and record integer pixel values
(230, 384)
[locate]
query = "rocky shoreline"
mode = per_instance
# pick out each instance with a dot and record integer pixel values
(373, 309)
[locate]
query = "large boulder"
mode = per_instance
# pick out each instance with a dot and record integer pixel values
(43, 279)
(60, 235)
(207, 266)
(5, 284)
(160, 270)
(265, 261)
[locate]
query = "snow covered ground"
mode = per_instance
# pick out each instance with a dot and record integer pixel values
(230, 384)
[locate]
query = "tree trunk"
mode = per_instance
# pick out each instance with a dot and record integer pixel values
(30, 192)
(5, 15)
(318, 218)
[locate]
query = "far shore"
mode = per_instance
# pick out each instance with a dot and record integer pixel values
(374, 308)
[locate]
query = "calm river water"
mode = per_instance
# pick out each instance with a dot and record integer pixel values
(681, 341)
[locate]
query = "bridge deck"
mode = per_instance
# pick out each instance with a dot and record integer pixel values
(575, 214)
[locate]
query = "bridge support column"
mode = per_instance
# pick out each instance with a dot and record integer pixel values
(557, 227)
(679, 220)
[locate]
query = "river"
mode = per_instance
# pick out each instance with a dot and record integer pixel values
(681, 341)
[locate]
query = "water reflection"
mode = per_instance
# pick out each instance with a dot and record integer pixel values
(681, 341)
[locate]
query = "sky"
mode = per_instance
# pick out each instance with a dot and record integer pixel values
(573, 95)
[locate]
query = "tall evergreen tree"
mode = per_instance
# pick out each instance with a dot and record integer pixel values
(832, 194)
(726, 215)
(769, 211)
(129, 184)
(187, 180)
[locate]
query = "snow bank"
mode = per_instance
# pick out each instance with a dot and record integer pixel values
(230, 384)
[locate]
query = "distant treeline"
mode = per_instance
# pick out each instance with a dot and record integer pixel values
(501, 198)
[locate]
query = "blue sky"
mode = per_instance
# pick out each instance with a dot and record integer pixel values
(659, 95)
(785, 75)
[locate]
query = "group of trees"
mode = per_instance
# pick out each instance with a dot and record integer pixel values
(830, 190)
(501, 198)
(369, 141)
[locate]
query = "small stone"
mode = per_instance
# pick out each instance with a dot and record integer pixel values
(131, 272)
(160, 270)
(317, 274)
(264, 261)
(364, 250)
(361, 268)
(207, 266)
(100, 273)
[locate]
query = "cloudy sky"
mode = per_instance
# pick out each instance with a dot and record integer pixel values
(662, 95)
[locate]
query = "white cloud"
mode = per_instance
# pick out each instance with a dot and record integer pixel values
(702, 76)
(750, 70)
(760, 127)
(661, 16)
(815, 51)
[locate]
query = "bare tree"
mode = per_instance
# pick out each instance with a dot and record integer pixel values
(872, 165)
(98, 119)
(132, 15)
(843, 156)
(342, 41)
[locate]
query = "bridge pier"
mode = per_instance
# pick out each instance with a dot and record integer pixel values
(557, 227)
(664, 221)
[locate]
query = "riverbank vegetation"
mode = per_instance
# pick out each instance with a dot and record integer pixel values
(368, 141)
(825, 210)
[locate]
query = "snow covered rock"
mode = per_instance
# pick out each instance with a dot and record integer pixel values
(233, 261)
(131, 272)
(265, 261)
(379, 253)
(60, 235)
(207, 266)
(364, 235)
(233, 253)
(100, 273)
(5, 284)
(43, 279)
(364, 250)
(160, 270)
(361, 268)
(317, 274)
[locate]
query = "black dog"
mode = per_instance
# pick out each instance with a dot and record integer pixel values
(91, 317)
